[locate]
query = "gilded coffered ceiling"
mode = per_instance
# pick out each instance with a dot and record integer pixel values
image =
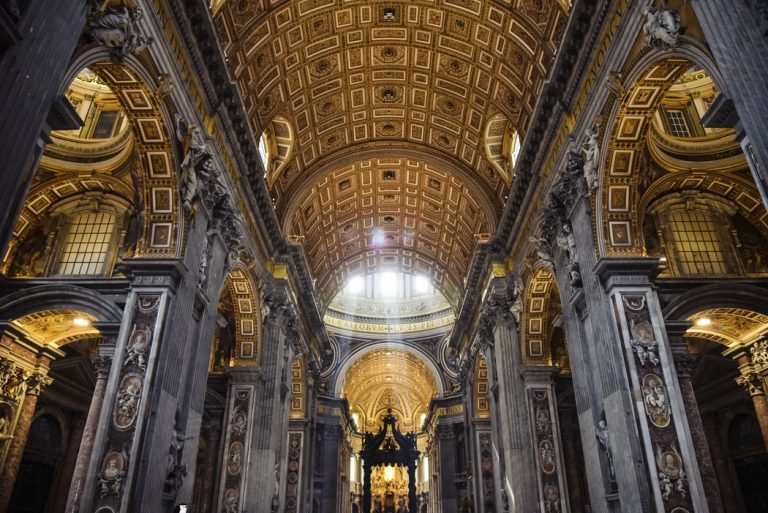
(57, 327)
(729, 326)
(424, 89)
(388, 378)
(389, 212)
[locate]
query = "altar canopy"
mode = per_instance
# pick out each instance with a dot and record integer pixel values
(390, 458)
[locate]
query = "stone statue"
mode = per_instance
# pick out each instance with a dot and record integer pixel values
(5, 425)
(543, 254)
(662, 26)
(196, 155)
(567, 242)
(604, 439)
(591, 151)
(202, 269)
(516, 309)
(276, 490)
(117, 28)
(177, 471)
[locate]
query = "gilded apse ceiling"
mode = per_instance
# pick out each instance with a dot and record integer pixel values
(388, 378)
(431, 91)
(729, 326)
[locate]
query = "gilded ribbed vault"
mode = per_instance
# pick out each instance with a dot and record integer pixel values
(370, 87)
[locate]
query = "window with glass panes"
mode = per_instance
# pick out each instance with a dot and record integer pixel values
(697, 243)
(87, 244)
(678, 125)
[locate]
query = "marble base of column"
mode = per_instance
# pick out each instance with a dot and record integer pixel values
(79, 475)
(16, 450)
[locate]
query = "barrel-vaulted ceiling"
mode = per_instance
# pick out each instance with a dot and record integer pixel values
(431, 91)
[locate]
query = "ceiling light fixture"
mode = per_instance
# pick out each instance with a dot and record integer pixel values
(81, 322)
(703, 322)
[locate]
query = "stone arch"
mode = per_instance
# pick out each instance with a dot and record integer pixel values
(541, 298)
(337, 380)
(59, 296)
(156, 181)
(247, 313)
(650, 76)
(717, 295)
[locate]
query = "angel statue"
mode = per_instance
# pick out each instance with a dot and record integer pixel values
(195, 153)
(591, 151)
(544, 257)
(662, 26)
(517, 299)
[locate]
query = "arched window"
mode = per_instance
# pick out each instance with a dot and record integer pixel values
(515, 147)
(697, 233)
(88, 235)
(264, 151)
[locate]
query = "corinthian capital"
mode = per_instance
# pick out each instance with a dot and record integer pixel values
(752, 382)
(36, 381)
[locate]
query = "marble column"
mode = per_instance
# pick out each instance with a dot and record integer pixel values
(720, 464)
(664, 431)
(545, 433)
(683, 365)
(754, 384)
(604, 397)
(66, 467)
(102, 365)
(269, 420)
(740, 47)
(32, 70)
(572, 458)
(513, 423)
(35, 384)
(211, 464)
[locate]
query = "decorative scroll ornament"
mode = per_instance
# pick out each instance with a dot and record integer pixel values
(643, 343)
(117, 28)
(112, 475)
(591, 153)
(672, 478)
(661, 27)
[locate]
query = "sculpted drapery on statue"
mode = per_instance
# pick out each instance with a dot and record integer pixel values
(117, 27)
